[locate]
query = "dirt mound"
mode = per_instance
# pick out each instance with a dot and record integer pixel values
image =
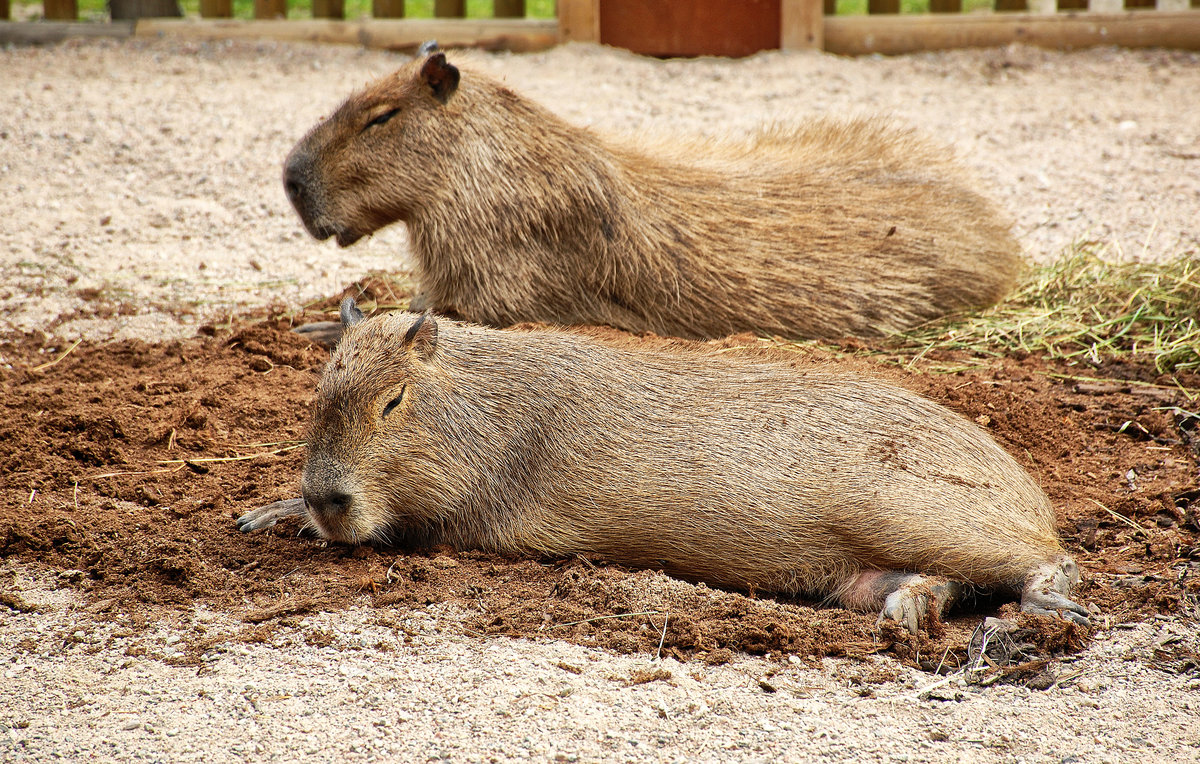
(127, 462)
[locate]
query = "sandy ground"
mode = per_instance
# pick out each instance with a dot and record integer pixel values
(143, 197)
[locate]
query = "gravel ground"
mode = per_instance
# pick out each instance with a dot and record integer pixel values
(412, 688)
(143, 196)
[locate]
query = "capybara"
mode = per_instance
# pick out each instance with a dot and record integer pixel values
(829, 229)
(741, 471)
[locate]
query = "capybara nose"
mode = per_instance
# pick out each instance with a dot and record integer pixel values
(294, 190)
(293, 182)
(330, 503)
(297, 174)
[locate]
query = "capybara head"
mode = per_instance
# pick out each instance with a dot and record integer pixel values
(342, 176)
(376, 414)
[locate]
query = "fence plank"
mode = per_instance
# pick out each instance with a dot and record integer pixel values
(883, 6)
(50, 32)
(387, 9)
(892, 35)
(450, 9)
(802, 24)
(5, 13)
(329, 9)
(519, 35)
(515, 9)
(1072, 5)
(216, 9)
(1011, 5)
(60, 10)
(579, 20)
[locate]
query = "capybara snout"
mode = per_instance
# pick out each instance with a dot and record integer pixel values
(308, 195)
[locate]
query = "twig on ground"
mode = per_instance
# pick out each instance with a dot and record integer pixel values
(62, 355)
(663, 638)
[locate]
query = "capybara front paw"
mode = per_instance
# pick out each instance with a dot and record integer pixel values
(324, 333)
(265, 517)
(1047, 602)
(1048, 592)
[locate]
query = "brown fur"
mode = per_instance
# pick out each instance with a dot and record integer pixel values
(741, 471)
(823, 230)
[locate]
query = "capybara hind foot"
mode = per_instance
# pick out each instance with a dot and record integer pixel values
(265, 517)
(906, 598)
(1048, 590)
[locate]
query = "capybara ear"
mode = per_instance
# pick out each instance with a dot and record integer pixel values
(427, 47)
(350, 313)
(423, 336)
(441, 76)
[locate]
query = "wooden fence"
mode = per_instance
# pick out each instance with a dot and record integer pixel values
(672, 27)
(68, 10)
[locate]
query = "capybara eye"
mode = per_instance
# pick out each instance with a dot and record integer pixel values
(382, 118)
(394, 402)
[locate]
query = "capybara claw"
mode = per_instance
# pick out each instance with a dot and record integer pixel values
(904, 607)
(1047, 592)
(1055, 604)
(265, 517)
(324, 333)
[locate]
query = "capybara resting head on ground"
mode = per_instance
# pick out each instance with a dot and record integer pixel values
(743, 472)
(829, 229)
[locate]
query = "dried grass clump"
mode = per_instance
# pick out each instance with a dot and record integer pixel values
(1085, 308)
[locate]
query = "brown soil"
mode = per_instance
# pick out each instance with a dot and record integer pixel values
(129, 461)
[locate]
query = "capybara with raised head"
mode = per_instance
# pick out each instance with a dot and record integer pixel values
(741, 471)
(833, 228)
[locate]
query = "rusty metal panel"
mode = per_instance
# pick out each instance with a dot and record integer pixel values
(690, 27)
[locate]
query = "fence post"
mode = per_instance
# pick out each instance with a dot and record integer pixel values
(802, 24)
(455, 9)
(127, 10)
(387, 9)
(514, 9)
(4, 10)
(579, 20)
(947, 6)
(216, 9)
(886, 6)
(270, 9)
(329, 9)
(60, 10)
(1011, 5)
